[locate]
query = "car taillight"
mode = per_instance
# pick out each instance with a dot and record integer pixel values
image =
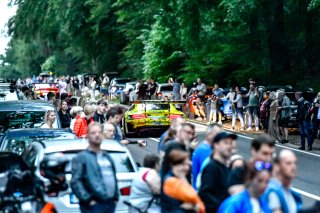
(174, 116)
(125, 191)
(138, 116)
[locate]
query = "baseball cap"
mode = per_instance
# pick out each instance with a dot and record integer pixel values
(223, 135)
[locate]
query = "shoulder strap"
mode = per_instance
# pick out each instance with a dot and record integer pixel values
(144, 176)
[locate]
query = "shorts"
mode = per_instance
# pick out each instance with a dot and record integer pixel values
(104, 91)
(283, 122)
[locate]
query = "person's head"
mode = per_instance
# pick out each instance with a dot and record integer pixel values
(186, 134)
(65, 97)
(287, 162)
(222, 146)
(113, 116)
(51, 96)
(102, 106)
(64, 106)
(211, 132)
(266, 95)
(183, 84)
(216, 86)
(252, 86)
(50, 117)
(109, 130)
(298, 95)
(104, 75)
(75, 111)
(89, 111)
(237, 89)
(252, 81)
(272, 96)
(179, 163)
(231, 89)
(57, 104)
(257, 177)
(262, 148)
(95, 134)
(236, 161)
(199, 81)
(121, 111)
(152, 161)
(281, 94)
(199, 100)
(166, 98)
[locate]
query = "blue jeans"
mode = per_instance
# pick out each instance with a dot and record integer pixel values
(253, 112)
(304, 128)
(99, 207)
(239, 111)
(315, 127)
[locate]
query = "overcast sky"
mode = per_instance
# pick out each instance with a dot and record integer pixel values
(6, 12)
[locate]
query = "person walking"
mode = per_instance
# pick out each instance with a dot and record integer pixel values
(217, 92)
(177, 195)
(145, 187)
(94, 179)
(304, 121)
(238, 105)
(83, 120)
(285, 113)
(279, 193)
(273, 128)
(315, 117)
(214, 189)
(253, 106)
(49, 120)
(250, 200)
(176, 89)
(64, 115)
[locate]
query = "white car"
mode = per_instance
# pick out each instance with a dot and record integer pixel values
(164, 90)
(66, 201)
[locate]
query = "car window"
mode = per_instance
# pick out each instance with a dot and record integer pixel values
(18, 144)
(30, 156)
(20, 119)
(154, 106)
(166, 88)
(121, 160)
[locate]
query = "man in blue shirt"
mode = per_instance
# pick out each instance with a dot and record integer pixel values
(203, 151)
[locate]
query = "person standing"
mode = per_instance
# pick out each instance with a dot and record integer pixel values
(304, 121)
(74, 112)
(83, 120)
(285, 113)
(232, 96)
(253, 106)
(64, 115)
(105, 85)
(92, 85)
(49, 120)
(145, 187)
(214, 189)
(265, 111)
(94, 179)
(315, 117)
(100, 114)
(217, 92)
(279, 193)
(273, 128)
(176, 89)
(153, 89)
(76, 86)
(183, 91)
(202, 89)
(238, 105)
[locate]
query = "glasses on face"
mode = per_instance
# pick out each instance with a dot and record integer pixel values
(260, 165)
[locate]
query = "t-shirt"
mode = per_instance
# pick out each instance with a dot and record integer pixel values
(274, 202)
(75, 84)
(176, 88)
(153, 88)
(99, 118)
(107, 174)
(253, 99)
(202, 151)
(255, 205)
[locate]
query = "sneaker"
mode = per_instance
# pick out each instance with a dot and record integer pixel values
(301, 148)
(249, 129)
(309, 148)
(257, 129)
(220, 123)
(241, 129)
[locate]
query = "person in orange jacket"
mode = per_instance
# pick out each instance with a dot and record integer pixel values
(177, 194)
(83, 120)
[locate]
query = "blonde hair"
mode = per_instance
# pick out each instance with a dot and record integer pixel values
(75, 110)
(46, 115)
(88, 109)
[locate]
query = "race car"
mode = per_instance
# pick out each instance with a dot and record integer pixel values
(151, 114)
(42, 89)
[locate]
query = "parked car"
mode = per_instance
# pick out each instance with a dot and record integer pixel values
(16, 140)
(119, 83)
(42, 89)
(66, 201)
(164, 90)
(24, 114)
(124, 95)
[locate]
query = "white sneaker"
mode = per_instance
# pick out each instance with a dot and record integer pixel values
(257, 129)
(241, 129)
(249, 129)
(220, 123)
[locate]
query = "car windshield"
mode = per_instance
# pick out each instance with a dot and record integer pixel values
(18, 144)
(154, 107)
(166, 88)
(20, 119)
(121, 160)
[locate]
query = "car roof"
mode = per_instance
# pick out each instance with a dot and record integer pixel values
(29, 132)
(29, 105)
(52, 146)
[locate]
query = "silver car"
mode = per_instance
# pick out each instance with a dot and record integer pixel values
(66, 201)
(164, 90)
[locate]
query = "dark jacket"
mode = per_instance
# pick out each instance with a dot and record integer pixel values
(65, 119)
(87, 181)
(303, 110)
(214, 185)
(99, 118)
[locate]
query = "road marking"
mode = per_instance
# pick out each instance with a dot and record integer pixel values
(279, 145)
(155, 139)
(315, 197)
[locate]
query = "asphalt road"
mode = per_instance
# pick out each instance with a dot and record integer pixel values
(307, 181)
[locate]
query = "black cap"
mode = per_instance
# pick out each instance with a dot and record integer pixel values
(223, 135)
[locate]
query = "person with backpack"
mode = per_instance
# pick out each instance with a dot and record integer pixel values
(303, 117)
(145, 188)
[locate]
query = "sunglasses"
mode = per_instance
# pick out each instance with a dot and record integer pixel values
(260, 165)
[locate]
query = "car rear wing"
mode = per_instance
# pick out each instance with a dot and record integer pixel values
(159, 102)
